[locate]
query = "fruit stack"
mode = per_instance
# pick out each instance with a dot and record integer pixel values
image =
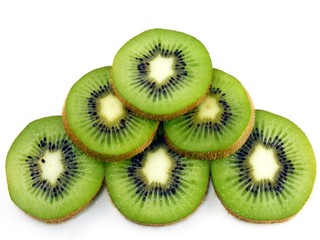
(155, 126)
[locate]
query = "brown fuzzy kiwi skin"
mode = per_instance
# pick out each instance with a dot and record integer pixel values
(160, 224)
(152, 116)
(69, 216)
(253, 220)
(221, 153)
(100, 156)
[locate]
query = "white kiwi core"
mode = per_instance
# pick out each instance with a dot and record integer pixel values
(157, 167)
(209, 109)
(161, 68)
(111, 108)
(51, 166)
(264, 163)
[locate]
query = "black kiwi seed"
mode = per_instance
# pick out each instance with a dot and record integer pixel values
(97, 121)
(157, 91)
(68, 159)
(209, 126)
(142, 188)
(277, 186)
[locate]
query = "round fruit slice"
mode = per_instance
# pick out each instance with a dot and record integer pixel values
(270, 178)
(157, 186)
(48, 177)
(218, 126)
(99, 124)
(161, 73)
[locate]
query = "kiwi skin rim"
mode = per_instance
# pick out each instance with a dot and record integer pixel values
(160, 224)
(100, 156)
(221, 153)
(152, 116)
(67, 217)
(252, 220)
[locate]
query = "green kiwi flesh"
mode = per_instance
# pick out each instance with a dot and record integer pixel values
(48, 177)
(158, 186)
(162, 73)
(99, 124)
(270, 178)
(218, 126)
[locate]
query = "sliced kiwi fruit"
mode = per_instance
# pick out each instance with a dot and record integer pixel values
(270, 178)
(158, 186)
(48, 177)
(161, 73)
(99, 124)
(218, 126)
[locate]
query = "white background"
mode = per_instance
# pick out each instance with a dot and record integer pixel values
(272, 47)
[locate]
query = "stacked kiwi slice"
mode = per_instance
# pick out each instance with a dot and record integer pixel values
(98, 122)
(271, 176)
(154, 127)
(48, 176)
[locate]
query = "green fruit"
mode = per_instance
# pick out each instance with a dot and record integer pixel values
(218, 126)
(158, 186)
(270, 178)
(48, 177)
(162, 74)
(99, 124)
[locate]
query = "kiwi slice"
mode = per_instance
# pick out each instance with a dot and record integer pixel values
(48, 177)
(158, 186)
(270, 178)
(161, 73)
(218, 126)
(99, 124)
